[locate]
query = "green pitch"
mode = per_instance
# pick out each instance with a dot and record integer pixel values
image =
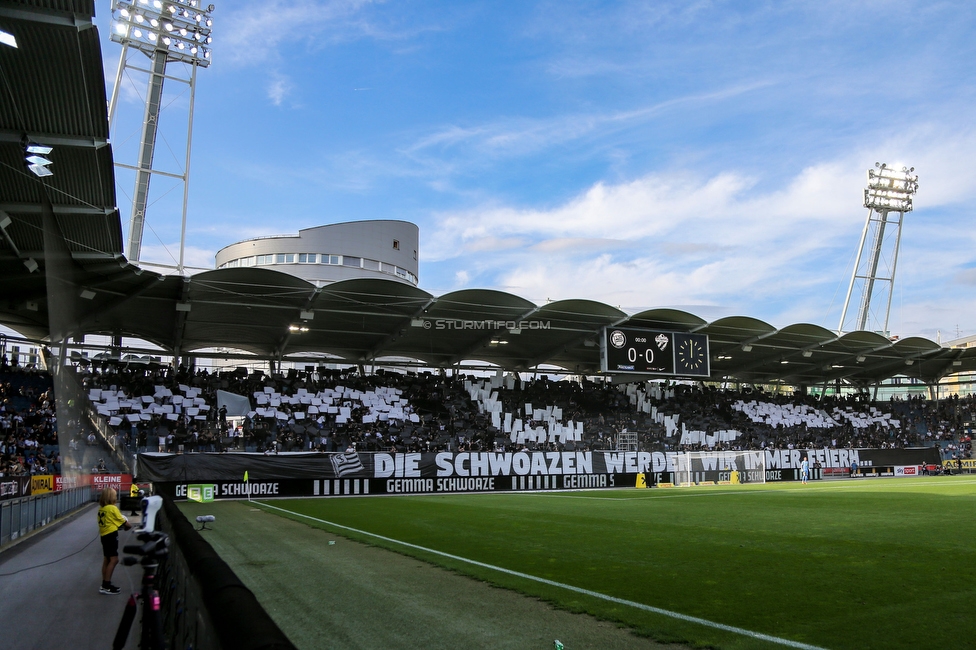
(870, 564)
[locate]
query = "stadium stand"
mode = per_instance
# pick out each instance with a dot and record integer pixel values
(28, 427)
(163, 410)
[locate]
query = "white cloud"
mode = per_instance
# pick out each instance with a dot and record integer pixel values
(689, 213)
(252, 33)
(278, 87)
(726, 243)
(256, 32)
(517, 136)
(659, 240)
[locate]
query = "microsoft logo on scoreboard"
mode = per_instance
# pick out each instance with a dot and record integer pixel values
(654, 352)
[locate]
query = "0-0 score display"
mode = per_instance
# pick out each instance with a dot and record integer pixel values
(644, 351)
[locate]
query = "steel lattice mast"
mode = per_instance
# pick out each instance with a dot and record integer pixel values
(171, 31)
(888, 197)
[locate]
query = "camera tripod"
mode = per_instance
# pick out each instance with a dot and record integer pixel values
(155, 545)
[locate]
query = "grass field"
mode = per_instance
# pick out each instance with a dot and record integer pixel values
(872, 564)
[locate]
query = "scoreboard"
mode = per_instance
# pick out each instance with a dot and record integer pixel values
(654, 352)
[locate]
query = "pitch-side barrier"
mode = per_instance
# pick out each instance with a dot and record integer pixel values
(206, 477)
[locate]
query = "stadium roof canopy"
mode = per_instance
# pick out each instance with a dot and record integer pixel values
(53, 93)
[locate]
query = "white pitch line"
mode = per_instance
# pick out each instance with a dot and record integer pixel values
(654, 495)
(705, 491)
(887, 481)
(553, 583)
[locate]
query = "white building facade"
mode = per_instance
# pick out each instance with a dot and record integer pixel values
(325, 254)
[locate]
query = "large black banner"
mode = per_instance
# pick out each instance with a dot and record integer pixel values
(232, 466)
(239, 475)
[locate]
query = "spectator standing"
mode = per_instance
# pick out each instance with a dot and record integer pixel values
(110, 519)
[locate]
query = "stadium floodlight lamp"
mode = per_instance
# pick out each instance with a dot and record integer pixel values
(181, 27)
(6, 38)
(747, 348)
(890, 189)
(807, 354)
(861, 358)
(34, 157)
(40, 161)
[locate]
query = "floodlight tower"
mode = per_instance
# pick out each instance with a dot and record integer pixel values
(887, 197)
(166, 31)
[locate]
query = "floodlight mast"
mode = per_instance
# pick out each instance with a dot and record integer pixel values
(888, 197)
(166, 31)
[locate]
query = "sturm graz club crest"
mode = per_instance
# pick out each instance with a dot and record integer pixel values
(662, 341)
(618, 339)
(347, 463)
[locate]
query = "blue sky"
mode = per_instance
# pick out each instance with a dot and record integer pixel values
(709, 156)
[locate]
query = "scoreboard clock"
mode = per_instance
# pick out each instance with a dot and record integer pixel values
(691, 354)
(654, 352)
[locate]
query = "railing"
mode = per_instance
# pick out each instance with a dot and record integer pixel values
(68, 382)
(627, 441)
(117, 449)
(20, 516)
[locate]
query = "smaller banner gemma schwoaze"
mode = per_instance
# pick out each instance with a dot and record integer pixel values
(205, 492)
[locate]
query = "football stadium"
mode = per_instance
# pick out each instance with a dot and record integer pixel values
(299, 447)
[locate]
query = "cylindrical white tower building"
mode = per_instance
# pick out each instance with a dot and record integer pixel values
(341, 251)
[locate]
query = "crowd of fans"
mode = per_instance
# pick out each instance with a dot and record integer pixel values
(440, 412)
(445, 417)
(803, 421)
(28, 426)
(442, 415)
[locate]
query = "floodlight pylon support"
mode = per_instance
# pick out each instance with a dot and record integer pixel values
(186, 167)
(113, 102)
(888, 197)
(177, 31)
(147, 150)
